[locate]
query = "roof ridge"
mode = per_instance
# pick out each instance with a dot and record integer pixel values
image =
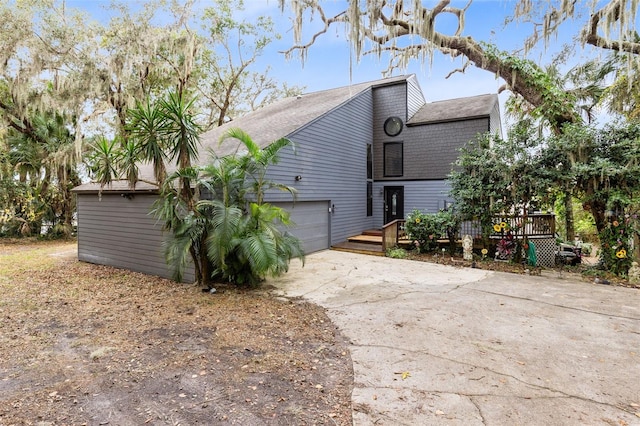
(367, 84)
(463, 97)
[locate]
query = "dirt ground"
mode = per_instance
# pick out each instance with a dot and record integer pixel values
(93, 345)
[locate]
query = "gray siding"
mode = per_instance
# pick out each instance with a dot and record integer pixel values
(116, 231)
(331, 159)
(388, 101)
(429, 150)
(428, 196)
(415, 97)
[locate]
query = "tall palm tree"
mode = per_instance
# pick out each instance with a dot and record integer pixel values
(144, 127)
(180, 133)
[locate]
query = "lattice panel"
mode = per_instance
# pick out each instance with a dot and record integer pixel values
(545, 251)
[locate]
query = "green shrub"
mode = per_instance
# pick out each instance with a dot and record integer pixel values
(615, 250)
(425, 229)
(397, 253)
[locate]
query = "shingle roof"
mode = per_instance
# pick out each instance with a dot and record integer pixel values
(454, 109)
(121, 185)
(283, 117)
(265, 125)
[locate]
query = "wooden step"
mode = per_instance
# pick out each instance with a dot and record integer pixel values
(361, 248)
(366, 239)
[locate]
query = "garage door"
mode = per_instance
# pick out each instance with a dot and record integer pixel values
(311, 220)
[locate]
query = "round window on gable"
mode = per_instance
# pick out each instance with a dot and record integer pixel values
(393, 126)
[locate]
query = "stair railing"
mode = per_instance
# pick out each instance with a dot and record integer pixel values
(392, 232)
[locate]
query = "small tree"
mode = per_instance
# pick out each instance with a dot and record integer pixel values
(494, 177)
(236, 235)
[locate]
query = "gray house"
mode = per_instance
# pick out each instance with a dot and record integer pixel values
(365, 154)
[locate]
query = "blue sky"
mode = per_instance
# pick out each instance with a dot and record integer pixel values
(330, 59)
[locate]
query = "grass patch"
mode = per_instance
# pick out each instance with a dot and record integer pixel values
(397, 253)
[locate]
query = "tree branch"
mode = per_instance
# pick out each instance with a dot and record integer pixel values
(383, 31)
(22, 125)
(612, 11)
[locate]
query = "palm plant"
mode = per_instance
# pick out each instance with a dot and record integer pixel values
(186, 224)
(258, 161)
(180, 133)
(103, 161)
(145, 127)
(45, 163)
(231, 234)
(260, 247)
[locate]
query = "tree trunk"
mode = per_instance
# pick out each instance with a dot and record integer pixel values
(196, 265)
(568, 220)
(597, 210)
(205, 264)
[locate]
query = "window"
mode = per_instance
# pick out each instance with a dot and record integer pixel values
(393, 126)
(369, 198)
(369, 161)
(393, 159)
(369, 179)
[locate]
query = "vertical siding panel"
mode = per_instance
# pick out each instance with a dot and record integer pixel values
(330, 156)
(388, 101)
(415, 97)
(119, 232)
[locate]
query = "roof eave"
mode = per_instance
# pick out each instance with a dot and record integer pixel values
(448, 120)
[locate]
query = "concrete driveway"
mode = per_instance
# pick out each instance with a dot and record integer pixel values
(438, 345)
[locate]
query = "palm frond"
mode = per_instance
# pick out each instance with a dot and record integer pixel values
(180, 130)
(129, 162)
(270, 154)
(243, 137)
(104, 161)
(261, 251)
(144, 125)
(224, 224)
